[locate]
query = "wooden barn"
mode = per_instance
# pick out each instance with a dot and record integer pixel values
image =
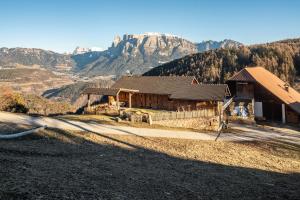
(262, 94)
(173, 93)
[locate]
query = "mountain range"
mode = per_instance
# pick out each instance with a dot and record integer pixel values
(138, 53)
(133, 53)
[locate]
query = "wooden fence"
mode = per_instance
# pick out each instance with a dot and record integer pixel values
(184, 114)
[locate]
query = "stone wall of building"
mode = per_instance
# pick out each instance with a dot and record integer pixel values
(211, 123)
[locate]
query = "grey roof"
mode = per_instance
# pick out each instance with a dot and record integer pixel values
(101, 91)
(154, 84)
(178, 87)
(202, 92)
(106, 91)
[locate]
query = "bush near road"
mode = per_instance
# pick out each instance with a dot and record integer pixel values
(11, 101)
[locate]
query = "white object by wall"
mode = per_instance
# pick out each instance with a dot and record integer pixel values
(283, 113)
(258, 109)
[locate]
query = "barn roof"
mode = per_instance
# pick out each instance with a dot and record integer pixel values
(202, 92)
(106, 91)
(154, 84)
(242, 75)
(271, 83)
(177, 87)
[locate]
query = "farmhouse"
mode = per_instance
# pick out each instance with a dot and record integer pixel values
(172, 93)
(259, 94)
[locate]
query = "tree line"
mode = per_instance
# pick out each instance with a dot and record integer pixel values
(216, 66)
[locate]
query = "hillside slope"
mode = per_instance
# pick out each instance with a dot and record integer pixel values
(71, 92)
(216, 66)
(32, 80)
(12, 101)
(32, 57)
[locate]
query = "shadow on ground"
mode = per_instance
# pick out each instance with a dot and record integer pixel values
(11, 128)
(61, 165)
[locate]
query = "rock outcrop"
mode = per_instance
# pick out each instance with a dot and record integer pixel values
(138, 53)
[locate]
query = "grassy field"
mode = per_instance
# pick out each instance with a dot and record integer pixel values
(56, 164)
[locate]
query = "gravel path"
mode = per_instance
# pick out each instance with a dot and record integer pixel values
(240, 133)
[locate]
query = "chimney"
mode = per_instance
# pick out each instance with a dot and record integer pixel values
(286, 86)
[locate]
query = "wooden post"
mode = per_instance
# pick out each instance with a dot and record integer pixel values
(118, 104)
(129, 100)
(283, 113)
(89, 102)
(253, 107)
(220, 112)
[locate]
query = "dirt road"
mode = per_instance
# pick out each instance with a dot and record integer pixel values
(241, 132)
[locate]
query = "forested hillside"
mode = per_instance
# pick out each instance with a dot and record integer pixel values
(216, 66)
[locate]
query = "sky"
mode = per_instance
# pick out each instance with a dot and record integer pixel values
(61, 25)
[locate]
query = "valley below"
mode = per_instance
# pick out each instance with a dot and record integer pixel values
(35, 81)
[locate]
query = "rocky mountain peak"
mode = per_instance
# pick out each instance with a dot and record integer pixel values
(81, 50)
(151, 43)
(139, 53)
(116, 41)
(210, 44)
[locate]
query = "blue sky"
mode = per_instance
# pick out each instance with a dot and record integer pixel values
(61, 25)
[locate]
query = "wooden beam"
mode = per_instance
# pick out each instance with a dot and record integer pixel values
(283, 113)
(253, 106)
(89, 101)
(129, 100)
(117, 99)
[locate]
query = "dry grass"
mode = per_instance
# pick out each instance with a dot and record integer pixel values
(8, 128)
(260, 155)
(57, 164)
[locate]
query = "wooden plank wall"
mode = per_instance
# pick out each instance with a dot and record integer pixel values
(292, 116)
(162, 102)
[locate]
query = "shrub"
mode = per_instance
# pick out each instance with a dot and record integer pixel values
(12, 102)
